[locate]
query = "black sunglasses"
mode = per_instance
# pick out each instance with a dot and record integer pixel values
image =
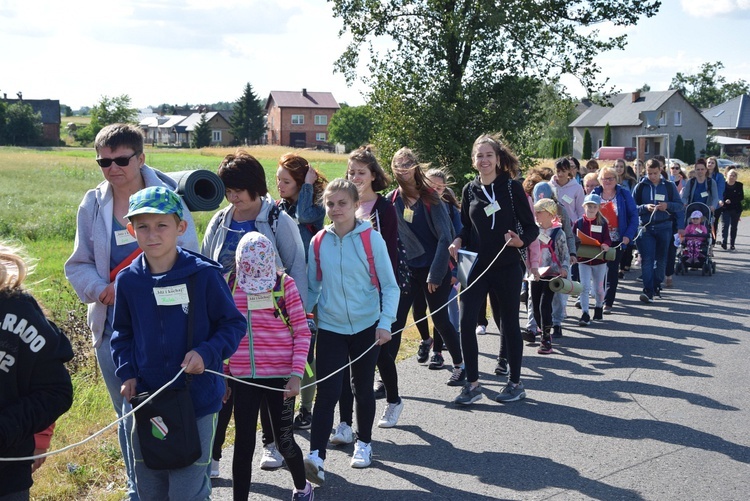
(105, 163)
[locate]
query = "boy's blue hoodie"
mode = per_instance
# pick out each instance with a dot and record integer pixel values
(150, 341)
(647, 193)
(348, 302)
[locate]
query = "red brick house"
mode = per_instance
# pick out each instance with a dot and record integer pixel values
(300, 119)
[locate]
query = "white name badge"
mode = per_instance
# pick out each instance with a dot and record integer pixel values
(659, 197)
(544, 238)
(123, 237)
(171, 296)
(408, 215)
(567, 199)
(492, 208)
(259, 301)
(596, 228)
(698, 231)
(704, 194)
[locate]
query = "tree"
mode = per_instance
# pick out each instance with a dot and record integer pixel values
(643, 88)
(463, 67)
(3, 126)
(586, 153)
(201, 136)
(707, 88)
(108, 110)
(556, 111)
(679, 147)
(607, 135)
(689, 152)
(248, 123)
(352, 126)
(22, 126)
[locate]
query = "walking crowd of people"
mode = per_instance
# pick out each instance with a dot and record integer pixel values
(285, 305)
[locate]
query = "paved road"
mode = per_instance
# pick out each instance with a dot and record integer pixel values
(650, 404)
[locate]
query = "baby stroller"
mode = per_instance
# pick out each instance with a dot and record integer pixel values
(696, 249)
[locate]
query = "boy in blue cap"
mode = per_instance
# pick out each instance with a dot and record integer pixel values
(149, 344)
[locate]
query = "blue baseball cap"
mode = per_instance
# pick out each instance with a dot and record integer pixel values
(592, 198)
(155, 200)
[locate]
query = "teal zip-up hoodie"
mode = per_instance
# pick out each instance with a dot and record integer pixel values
(347, 300)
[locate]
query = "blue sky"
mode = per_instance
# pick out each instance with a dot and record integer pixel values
(193, 51)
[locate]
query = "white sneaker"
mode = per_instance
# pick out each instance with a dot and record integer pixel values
(271, 458)
(343, 434)
(314, 468)
(481, 330)
(391, 414)
(362, 456)
(214, 468)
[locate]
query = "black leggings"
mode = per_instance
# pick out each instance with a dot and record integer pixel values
(505, 283)
(541, 299)
(729, 221)
(333, 351)
(248, 402)
(435, 300)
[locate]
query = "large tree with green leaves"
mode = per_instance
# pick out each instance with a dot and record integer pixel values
(707, 88)
(351, 126)
(108, 110)
(457, 68)
(21, 125)
(248, 123)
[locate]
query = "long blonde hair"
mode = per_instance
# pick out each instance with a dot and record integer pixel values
(13, 267)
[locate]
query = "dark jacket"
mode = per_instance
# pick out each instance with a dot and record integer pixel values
(35, 387)
(385, 221)
(479, 236)
(150, 341)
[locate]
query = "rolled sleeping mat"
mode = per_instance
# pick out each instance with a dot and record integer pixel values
(593, 252)
(201, 189)
(565, 286)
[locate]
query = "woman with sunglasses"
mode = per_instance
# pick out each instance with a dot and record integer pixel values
(103, 247)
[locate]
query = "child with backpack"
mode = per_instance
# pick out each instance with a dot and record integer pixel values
(553, 262)
(593, 224)
(272, 356)
(351, 280)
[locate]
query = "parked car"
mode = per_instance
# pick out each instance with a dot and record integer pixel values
(725, 164)
(676, 161)
(615, 152)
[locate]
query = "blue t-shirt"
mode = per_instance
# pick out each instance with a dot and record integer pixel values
(117, 255)
(235, 232)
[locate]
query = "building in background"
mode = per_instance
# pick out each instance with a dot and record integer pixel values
(300, 119)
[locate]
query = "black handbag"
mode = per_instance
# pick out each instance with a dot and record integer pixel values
(167, 428)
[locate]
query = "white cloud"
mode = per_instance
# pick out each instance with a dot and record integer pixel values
(716, 8)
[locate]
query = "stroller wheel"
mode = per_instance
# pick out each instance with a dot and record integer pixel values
(713, 267)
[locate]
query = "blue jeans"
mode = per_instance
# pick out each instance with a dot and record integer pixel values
(191, 483)
(653, 245)
(113, 383)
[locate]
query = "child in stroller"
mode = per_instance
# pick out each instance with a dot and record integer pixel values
(696, 245)
(696, 235)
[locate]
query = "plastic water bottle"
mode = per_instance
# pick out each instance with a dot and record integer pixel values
(676, 239)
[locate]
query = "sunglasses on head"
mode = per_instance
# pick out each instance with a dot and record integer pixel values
(105, 163)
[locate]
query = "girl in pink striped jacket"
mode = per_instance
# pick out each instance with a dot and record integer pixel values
(271, 355)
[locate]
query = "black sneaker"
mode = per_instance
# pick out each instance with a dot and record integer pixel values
(379, 390)
(303, 420)
(528, 335)
(501, 369)
(423, 353)
(598, 313)
(645, 298)
(436, 362)
(724, 245)
(557, 331)
(585, 319)
(458, 378)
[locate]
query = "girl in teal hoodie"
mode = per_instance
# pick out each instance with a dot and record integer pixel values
(355, 311)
